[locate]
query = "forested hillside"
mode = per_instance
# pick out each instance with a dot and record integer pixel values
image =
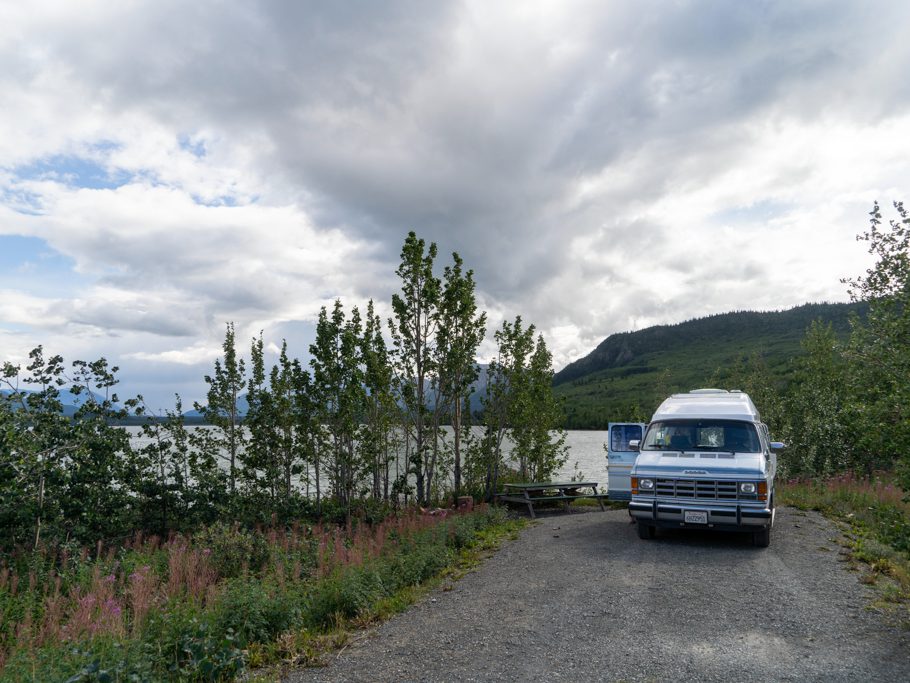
(627, 375)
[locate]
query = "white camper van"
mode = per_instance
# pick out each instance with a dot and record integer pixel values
(706, 461)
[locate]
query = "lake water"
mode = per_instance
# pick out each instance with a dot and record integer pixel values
(587, 458)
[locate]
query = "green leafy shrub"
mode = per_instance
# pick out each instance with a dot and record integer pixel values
(256, 612)
(233, 550)
(893, 527)
(345, 594)
(109, 663)
(414, 565)
(185, 645)
(205, 655)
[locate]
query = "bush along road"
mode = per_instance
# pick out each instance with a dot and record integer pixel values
(580, 597)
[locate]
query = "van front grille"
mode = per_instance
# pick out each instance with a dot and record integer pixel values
(698, 489)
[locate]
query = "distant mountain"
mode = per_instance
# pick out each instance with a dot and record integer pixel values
(627, 372)
(71, 402)
(243, 408)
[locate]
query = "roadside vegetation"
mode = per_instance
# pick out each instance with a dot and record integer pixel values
(209, 606)
(875, 514)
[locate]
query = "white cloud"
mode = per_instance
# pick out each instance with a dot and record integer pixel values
(192, 355)
(601, 166)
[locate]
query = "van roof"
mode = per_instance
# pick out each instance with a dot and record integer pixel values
(712, 404)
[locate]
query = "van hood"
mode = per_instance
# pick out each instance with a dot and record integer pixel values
(679, 463)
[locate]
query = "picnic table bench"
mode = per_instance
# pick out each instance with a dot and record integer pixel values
(547, 491)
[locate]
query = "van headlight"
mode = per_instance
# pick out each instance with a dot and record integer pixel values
(747, 487)
(646, 484)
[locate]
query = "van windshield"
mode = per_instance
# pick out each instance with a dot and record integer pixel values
(702, 435)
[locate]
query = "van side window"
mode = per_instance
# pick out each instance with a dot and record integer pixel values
(621, 435)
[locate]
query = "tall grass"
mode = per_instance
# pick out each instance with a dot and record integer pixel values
(193, 607)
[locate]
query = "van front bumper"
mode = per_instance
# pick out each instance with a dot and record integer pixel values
(672, 514)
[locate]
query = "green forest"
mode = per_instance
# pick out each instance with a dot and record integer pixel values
(630, 373)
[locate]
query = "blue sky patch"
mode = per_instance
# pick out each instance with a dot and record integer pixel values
(75, 171)
(222, 200)
(32, 266)
(194, 147)
(758, 212)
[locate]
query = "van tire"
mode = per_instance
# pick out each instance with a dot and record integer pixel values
(762, 539)
(646, 531)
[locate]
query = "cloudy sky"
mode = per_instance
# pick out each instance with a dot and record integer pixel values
(603, 166)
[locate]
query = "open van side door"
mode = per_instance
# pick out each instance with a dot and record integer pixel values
(620, 457)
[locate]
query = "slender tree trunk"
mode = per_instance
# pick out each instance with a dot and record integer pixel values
(456, 425)
(385, 464)
(40, 511)
(318, 490)
(161, 485)
(431, 461)
(497, 458)
(232, 440)
(288, 461)
(418, 460)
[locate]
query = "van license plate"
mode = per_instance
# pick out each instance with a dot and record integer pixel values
(696, 517)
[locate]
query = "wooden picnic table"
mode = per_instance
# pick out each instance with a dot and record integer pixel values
(564, 491)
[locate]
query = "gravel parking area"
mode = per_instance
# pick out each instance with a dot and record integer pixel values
(580, 597)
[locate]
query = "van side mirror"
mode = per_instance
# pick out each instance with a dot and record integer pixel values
(777, 445)
(634, 444)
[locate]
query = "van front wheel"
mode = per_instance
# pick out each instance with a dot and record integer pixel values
(762, 539)
(646, 531)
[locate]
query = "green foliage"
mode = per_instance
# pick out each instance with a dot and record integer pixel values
(63, 476)
(378, 436)
(181, 644)
(879, 350)
(254, 611)
(369, 510)
(519, 404)
(232, 550)
(413, 331)
(178, 486)
(338, 378)
(178, 646)
(819, 409)
(280, 421)
(153, 610)
(460, 330)
(343, 595)
(222, 409)
(539, 443)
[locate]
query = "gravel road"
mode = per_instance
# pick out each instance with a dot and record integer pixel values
(580, 597)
